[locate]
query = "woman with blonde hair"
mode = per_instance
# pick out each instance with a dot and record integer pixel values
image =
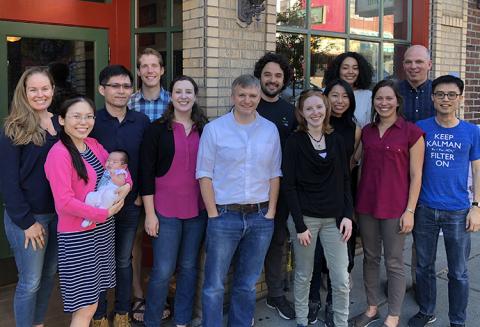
(316, 181)
(30, 220)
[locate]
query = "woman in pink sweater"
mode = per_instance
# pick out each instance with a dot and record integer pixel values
(86, 254)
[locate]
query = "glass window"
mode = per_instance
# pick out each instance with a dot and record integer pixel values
(364, 17)
(322, 51)
(292, 47)
(177, 54)
(370, 51)
(395, 19)
(177, 17)
(291, 13)
(328, 15)
(70, 62)
(151, 13)
(393, 60)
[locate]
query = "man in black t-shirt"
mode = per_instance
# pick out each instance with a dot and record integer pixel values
(274, 74)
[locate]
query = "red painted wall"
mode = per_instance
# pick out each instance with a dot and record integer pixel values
(113, 16)
(421, 22)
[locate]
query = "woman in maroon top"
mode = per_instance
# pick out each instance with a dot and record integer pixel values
(390, 181)
(174, 209)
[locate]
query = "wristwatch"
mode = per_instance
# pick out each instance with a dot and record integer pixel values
(475, 204)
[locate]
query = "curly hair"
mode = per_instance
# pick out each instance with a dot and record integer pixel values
(365, 70)
(198, 117)
(276, 58)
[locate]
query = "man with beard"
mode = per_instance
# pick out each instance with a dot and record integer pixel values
(274, 74)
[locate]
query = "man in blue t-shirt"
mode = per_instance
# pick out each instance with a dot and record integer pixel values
(451, 144)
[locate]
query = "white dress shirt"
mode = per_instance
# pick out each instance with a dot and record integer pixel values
(240, 159)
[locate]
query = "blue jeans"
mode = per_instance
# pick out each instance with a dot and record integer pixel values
(36, 270)
(428, 223)
(126, 222)
(177, 246)
(248, 237)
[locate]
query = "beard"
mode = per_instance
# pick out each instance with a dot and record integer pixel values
(271, 94)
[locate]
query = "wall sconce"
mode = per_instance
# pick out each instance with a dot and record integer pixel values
(247, 9)
(13, 38)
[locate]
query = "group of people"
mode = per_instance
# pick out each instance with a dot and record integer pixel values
(82, 186)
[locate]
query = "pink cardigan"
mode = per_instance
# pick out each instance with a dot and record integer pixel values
(69, 191)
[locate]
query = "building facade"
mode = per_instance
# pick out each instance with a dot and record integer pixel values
(206, 40)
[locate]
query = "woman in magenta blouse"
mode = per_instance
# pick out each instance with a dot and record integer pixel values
(174, 209)
(390, 181)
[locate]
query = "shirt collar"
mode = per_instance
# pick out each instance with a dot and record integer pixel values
(422, 87)
(161, 95)
(104, 115)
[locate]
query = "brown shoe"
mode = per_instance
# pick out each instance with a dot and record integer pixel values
(363, 320)
(121, 320)
(100, 322)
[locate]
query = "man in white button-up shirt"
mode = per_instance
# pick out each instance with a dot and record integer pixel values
(238, 168)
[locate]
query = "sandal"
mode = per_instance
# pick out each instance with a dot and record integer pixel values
(138, 308)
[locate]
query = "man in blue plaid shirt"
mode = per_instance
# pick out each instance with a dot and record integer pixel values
(151, 99)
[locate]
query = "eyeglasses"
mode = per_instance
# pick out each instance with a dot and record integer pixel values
(79, 118)
(117, 87)
(450, 95)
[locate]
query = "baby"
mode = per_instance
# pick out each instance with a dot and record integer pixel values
(113, 177)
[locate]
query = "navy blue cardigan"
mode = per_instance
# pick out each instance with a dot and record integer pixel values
(23, 184)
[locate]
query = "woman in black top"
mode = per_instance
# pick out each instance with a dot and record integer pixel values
(30, 220)
(342, 99)
(317, 186)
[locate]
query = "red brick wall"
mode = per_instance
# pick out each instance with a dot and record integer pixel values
(472, 74)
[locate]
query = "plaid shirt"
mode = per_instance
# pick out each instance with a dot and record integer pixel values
(152, 108)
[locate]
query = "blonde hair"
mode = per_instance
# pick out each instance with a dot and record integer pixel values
(22, 125)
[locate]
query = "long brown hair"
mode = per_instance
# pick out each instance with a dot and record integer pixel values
(302, 123)
(22, 125)
(198, 117)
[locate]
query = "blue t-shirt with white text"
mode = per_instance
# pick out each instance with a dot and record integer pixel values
(448, 152)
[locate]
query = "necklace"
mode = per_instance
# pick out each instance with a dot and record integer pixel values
(318, 141)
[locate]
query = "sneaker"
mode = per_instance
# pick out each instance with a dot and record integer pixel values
(313, 308)
(282, 305)
(329, 316)
(362, 320)
(420, 320)
(121, 320)
(100, 322)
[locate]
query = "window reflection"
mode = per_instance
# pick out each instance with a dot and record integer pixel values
(151, 13)
(70, 62)
(322, 51)
(395, 22)
(291, 46)
(370, 51)
(291, 12)
(364, 17)
(328, 15)
(393, 60)
(177, 54)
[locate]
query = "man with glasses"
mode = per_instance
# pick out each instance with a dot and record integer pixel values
(116, 127)
(451, 145)
(274, 74)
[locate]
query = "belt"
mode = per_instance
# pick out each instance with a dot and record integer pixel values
(244, 208)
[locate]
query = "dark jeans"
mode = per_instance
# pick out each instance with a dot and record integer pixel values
(428, 223)
(126, 222)
(247, 236)
(274, 272)
(177, 245)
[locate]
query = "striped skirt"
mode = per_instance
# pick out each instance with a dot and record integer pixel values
(86, 265)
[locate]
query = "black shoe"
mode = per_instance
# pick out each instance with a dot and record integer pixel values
(329, 316)
(456, 325)
(281, 304)
(421, 320)
(313, 308)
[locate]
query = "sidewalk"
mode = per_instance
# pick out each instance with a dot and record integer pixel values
(265, 317)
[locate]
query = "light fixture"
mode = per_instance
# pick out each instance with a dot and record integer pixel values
(13, 38)
(247, 9)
